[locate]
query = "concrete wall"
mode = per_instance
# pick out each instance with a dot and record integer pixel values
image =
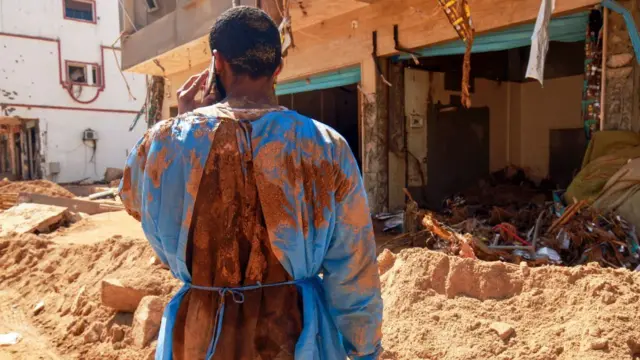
(29, 76)
(622, 102)
(521, 116)
(556, 106)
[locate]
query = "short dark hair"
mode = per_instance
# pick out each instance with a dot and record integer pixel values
(249, 40)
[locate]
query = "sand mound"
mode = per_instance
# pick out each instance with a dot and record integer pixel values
(67, 278)
(442, 307)
(43, 187)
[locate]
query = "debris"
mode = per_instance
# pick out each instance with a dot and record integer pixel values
(38, 308)
(10, 339)
(550, 254)
(117, 334)
(154, 261)
(504, 330)
(385, 261)
(599, 344)
(93, 335)
(117, 296)
(394, 222)
(75, 205)
(111, 193)
(78, 301)
(43, 187)
(31, 218)
(112, 174)
(508, 218)
(146, 320)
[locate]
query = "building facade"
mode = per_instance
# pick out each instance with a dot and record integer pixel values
(65, 107)
(351, 69)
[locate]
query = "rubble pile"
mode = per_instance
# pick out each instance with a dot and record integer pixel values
(512, 220)
(449, 308)
(43, 187)
(97, 301)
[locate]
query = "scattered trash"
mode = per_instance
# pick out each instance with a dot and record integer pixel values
(550, 254)
(10, 339)
(394, 223)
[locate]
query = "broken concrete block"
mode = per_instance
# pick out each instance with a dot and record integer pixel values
(146, 321)
(79, 302)
(112, 174)
(117, 334)
(599, 344)
(28, 218)
(123, 298)
(93, 335)
(504, 330)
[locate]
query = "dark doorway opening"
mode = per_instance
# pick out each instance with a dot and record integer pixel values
(336, 107)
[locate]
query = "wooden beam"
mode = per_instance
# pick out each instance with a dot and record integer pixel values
(345, 40)
(75, 205)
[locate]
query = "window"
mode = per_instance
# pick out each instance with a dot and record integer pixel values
(79, 10)
(77, 74)
(152, 5)
(83, 74)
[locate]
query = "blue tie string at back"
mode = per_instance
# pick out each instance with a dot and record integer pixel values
(237, 295)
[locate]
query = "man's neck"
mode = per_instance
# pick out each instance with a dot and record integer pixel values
(246, 93)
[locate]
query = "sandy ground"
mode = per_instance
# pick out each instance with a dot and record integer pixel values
(436, 307)
(98, 228)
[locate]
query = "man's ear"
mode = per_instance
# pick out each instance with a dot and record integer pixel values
(279, 69)
(219, 62)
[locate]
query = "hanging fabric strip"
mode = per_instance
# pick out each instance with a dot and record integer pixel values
(459, 15)
(286, 33)
(540, 41)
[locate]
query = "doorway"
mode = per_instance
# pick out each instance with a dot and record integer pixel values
(336, 107)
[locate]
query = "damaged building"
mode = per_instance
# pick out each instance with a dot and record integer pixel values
(392, 77)
(65, 106)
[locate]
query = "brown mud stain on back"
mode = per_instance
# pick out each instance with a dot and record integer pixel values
(157, 165)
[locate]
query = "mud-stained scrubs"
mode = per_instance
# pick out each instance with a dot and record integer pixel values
(248, 206)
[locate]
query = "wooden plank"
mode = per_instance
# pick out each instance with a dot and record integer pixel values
(75, 205)
(29, 218)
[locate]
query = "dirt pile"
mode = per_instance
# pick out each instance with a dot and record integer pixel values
(43, 187)
(68, 279)
(443, 307)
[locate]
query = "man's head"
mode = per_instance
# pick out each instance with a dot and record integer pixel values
(246, 44)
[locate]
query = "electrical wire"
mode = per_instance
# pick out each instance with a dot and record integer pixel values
(124, 10)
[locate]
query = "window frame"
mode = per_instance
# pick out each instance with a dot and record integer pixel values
(156, 8)
(89, 68)
(93, 8)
